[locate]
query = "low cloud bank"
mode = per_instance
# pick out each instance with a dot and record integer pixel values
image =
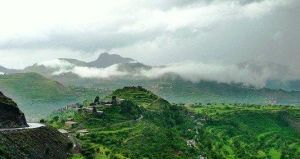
(249, 73)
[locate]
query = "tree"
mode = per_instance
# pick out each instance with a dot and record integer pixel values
(97, 100)
(114, 100)
(42, 121)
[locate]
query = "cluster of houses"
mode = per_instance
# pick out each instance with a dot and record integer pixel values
(93, 108)
(97, 104)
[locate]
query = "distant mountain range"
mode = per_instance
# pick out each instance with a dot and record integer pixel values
(111, 71)
(103, 61)
(49, 67)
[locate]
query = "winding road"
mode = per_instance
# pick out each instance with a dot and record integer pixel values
(31, 126)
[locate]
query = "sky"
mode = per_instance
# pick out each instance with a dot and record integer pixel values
(210, 32)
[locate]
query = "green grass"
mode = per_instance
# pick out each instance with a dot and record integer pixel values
(248, 131)
(119, 131)
(35, 87)
(219, 130)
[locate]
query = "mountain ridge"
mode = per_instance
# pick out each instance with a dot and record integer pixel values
(128, 66)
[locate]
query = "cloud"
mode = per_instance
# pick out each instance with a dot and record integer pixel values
(90, 72)
(57, 64)
(107, 25)
(250, 74)
(213, 34)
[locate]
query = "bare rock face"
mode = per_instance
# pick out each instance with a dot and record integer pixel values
(10, 115)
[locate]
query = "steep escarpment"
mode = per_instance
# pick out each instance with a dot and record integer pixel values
(17, 140)
(39, 143)
(10, 114)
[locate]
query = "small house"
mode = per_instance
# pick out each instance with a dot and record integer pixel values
(70, 124)
(82, 132)
(63, 131)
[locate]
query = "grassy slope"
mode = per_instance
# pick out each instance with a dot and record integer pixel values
(38, 96)
(220, 130)
(35, 94)
(141, 97)
(34, 86)
(249, 131)
(133, 129)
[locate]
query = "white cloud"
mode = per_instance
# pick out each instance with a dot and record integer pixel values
(108, 72)
(216, 33)
(57, 64)
(196, 72)
(255, 74)
(256, 9)
(90, 72)
(34, 22)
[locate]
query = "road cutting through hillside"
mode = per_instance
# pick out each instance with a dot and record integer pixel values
(31, 126)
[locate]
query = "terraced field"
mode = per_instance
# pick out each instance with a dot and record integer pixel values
(249, 132)
(147, 126)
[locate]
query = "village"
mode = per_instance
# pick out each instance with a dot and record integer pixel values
(95, 108)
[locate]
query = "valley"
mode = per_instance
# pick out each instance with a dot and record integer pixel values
(133, 122)
(150, 79)
(132, 116)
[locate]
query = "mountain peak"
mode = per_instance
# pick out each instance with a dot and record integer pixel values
(103, 54)
(106, 59)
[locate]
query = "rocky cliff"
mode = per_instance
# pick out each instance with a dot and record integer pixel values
(38, 143)
(32, 143)
(10, 114)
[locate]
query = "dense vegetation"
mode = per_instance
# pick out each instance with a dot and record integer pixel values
(147, 126)
(249, 131)
(130, 130)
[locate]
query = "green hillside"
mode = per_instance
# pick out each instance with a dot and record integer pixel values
(130, 129)
(34, 86)
(35, 94)
(142, 97)
(249, 131)
(38, 96)
(134, 128)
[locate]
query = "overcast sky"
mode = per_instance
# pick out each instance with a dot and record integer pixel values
(151, 31)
